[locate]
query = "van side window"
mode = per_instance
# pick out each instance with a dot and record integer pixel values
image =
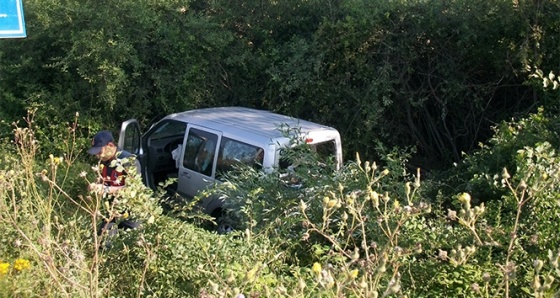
(234, 153)
(200, 151)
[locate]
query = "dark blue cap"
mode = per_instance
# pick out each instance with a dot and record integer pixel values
(100, 140)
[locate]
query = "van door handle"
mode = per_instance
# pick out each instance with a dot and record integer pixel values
(186, 174)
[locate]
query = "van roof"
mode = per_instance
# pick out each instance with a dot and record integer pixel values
(259, 122)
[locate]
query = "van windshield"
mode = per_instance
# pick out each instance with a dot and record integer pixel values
(168, 129)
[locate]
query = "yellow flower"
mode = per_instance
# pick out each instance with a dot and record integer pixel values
(465, 199)
(21, 264)
(332, 203)
(316, 268)
(4, 267)
(374, 196)
(250, 276)
(354, 273)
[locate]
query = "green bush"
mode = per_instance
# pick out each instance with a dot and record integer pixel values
(50, 247)
(385, 224)
(365, 230)
(427, 73)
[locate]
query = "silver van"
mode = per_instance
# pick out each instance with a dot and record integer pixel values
(198, 146)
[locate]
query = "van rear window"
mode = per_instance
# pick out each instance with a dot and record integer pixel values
(325, 151)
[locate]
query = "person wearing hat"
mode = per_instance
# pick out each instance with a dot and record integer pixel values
(104, 148)
(112, 167)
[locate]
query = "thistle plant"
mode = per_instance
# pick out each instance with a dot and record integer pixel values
(28, 213)
(46, 225)
(365, 227)
(352, 226)
(543, 279)
(531, 195)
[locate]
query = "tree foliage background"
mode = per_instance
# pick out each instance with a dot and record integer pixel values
(435, 75)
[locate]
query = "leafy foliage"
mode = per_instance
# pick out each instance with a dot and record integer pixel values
(431, 74)
(363, 230)
(428, 76)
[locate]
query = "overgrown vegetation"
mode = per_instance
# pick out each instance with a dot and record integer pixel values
(363, 231)
(465, 83)
(431, 74)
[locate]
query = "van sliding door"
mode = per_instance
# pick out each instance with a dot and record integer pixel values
(197, 170)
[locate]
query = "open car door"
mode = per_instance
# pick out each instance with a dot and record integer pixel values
(130, 138)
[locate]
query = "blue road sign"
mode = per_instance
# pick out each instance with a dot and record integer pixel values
(12, 24)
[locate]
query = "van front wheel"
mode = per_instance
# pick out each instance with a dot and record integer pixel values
(224, 224)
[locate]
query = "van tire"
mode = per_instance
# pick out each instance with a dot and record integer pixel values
(223, 222)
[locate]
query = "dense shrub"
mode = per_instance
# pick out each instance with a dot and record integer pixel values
(476, 172)
(50, 248)
(365, 230)
(447, 70)
(365, 218)
(432, 74)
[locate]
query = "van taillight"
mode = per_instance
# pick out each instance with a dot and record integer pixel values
(309, 140)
